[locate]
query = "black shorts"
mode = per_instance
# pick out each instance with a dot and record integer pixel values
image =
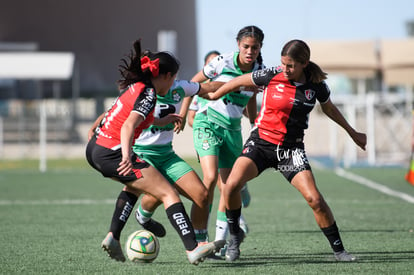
(289, 160)
(107, 161)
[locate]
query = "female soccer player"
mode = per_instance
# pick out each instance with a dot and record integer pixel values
(217, 125)
(154, 146)
(109, 150)
(291, 91)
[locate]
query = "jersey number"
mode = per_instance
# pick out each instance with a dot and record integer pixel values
(117, 109)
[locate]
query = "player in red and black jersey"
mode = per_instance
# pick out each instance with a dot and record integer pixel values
(110, 152)
(290, 93)
(284, 115)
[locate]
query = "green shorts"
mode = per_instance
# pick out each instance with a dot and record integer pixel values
(170, 165)
(211, 139)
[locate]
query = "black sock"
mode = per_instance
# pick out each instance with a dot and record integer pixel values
(123, 208)
(233, 217)
(179, 220)
(332, 234)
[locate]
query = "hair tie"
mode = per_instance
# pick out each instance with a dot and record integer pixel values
(152, 65)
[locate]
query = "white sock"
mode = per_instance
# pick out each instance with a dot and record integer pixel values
(142, 215)
(222, 229)
(242, 220)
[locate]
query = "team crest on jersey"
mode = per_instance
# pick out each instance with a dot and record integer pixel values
(246, 150)
(205, 145)
(309, 94)
(176, 96)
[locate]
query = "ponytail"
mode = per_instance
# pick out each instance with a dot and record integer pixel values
(141, 67)
(130, 68)
(259, 60)
(315, 73)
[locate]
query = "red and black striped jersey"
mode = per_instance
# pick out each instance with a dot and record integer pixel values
(286, 106)
(136, 98)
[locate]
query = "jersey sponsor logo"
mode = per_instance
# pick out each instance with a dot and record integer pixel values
(309, 94)
(279, 87)
(276, 96)
(293, 101)
(308, 104)
(147, 103)
(162, 110)
(261, 73)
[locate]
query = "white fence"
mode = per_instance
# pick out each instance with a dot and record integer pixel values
(386, 119)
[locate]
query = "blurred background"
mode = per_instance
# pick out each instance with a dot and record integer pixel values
(59, 66)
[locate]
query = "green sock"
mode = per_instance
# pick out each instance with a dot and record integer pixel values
(201, 235)
(143, 215)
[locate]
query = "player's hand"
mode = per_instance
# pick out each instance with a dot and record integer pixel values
(170, 118)
(209, 96)
(125, 167)
(360, 139)
(180, 125)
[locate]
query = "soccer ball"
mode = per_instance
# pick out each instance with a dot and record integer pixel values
(142, 246)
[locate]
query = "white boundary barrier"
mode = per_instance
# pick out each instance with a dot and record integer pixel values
(38, 66)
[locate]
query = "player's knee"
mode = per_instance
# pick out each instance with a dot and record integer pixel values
(201, 200)
(315, 202)
(209, 180)
(232, 187)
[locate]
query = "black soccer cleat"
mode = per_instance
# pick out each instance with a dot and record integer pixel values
(152, 226)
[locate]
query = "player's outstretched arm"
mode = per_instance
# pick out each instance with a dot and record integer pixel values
(233, 85)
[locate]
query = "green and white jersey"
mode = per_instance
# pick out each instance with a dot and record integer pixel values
(228, 110)
(156, 138)
(197, 103)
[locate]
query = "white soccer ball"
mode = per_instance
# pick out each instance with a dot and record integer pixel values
(142, 246)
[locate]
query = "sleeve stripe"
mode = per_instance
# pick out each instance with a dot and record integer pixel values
(140, 113)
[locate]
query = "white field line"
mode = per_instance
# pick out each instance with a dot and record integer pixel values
(57, 202)
(373, 185)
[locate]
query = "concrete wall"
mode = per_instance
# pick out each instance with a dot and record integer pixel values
(101, 32)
